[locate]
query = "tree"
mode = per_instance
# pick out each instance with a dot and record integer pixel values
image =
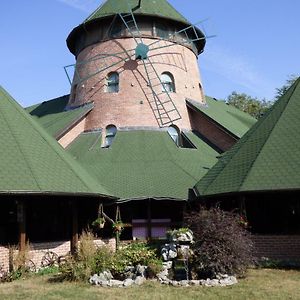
(289, 82)
(248, 104)
(222, 243)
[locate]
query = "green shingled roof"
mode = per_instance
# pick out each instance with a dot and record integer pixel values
(230, 118)
(32, 161)
(160, 8)
(144, 164)
(266, 158)
(53, 116)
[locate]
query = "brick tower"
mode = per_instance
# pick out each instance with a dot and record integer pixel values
(137, 61)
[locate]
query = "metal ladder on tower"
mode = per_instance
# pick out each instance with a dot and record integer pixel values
(131, 25)
(165, 111)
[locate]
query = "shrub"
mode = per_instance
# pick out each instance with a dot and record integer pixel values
(130, 255)
(74, 270)
(221, 245)
(154, 267)
(87, 248)
(103, 259)
(89, 262)
(80, 268)
(137, 253)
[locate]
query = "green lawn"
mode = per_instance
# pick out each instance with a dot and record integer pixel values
(260, 284)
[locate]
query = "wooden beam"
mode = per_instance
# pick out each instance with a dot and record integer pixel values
(74, 237)
(21, 218)
(149, 231)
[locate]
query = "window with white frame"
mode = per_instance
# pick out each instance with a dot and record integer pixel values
(113, 82)
(168, 84)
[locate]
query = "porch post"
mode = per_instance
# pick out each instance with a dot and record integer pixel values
(149, 218)
(74, 238)
(21, 218)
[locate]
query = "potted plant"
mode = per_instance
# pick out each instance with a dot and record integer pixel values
(118, 226)
(99, 222)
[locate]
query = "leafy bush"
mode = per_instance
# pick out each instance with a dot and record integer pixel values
(103, 259)
(137, 253)
(221, 245)
(89, 262)
(131, 255)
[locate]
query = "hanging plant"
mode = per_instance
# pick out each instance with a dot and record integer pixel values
(118, 226)
(99, 222)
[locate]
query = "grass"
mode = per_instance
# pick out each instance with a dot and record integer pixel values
(259, 284)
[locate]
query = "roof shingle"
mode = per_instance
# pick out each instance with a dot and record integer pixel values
(144, 164)
(266, 158)
(32, 161)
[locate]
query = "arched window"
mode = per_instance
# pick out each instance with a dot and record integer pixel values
(110, 133)
(174, 134)
(113, 82)
(167, 81)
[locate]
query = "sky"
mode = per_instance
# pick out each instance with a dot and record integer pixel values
(256, 48)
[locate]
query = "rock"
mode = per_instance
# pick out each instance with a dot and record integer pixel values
(184, 283)
(141, 270)
(210, 282)
(130, 272)
(230, 280)
(221, 276)
(139, 280)
(194, 282)
(94, 279)
(174, 283)
(169, 251)
(105, 283)
(116, 283)
(185, 237)
(167, 265)
(163, 274)
(129, 269)
(128, 282)
(105, 276)
(166, 281)
(172, 254)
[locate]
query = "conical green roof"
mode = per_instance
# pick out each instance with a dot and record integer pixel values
(31, 161)
(267, 158)
(159, 8)
(110, 8)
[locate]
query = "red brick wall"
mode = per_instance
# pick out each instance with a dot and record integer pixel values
(130, 106)
(39, 250)
(214, 133)
(278, 247)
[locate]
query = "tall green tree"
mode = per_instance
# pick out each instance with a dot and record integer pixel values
(282, 90)
(251, 105)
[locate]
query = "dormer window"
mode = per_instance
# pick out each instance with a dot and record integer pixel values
(174, 134)
(110, 133)
(167, 80)
(113, 82)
